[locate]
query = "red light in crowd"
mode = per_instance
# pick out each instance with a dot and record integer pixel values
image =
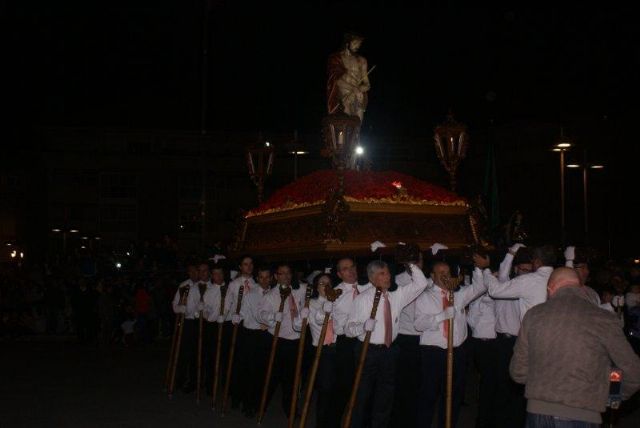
(616, 376)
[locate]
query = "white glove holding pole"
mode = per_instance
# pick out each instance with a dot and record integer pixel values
(278, 317)
(235, 319)
(304, 313)
(327, 307)
(515, 247)
(447, 314)
(181, 309)
(617, 301)
(220, 319)
(200, 307)
(369, 324)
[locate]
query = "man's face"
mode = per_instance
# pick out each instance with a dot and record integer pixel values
(246, 266)
(203, 273)
(264, 279)
(440, 272)
(354, 45)
(192, 271)
(324, 283)
(523, 268)
(347, 271)
(217, 276)
(582, 269)
(381, 278)
(283, 275)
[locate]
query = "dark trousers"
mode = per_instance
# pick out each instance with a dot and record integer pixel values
(510, 395)
(484, 356)
(374, 400)
(345, 369)
(284, 368)
(188, 360)
(328, 410)
(405, 404)
(252, 355)
(544, 421)
(433, 385)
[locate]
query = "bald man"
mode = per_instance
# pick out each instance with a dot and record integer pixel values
(564, 355)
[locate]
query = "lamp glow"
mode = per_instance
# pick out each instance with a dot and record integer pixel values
(56, 230)
(74, 231)
(359, 150)
(573, 165)
(597, 166)
(563, 145)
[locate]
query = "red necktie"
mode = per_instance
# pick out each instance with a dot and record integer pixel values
(388, 332)
(293, 309)
(355, 291)
(445, 304)
(247, 288)
(328, 338)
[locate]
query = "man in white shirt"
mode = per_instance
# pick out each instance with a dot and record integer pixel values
(347, 272)
(244, 279)
(377, 385)
(268, 313)
(191, 310)
(433, 309)
(405, 405)
(253, 345)
(530, 289)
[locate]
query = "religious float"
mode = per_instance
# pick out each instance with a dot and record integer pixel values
(341, 211)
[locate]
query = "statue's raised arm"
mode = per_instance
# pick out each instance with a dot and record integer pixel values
(348, 79)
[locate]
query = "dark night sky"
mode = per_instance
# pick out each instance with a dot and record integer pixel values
(138, 64)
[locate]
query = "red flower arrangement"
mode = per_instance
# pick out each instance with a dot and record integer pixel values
(364, 186)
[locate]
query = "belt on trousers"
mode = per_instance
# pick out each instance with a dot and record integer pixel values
(507, 335)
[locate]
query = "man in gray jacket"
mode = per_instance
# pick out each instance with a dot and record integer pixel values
(564, 355)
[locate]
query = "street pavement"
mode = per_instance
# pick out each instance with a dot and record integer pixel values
(61, 384)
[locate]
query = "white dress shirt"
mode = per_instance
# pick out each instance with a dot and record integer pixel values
(530, 289)
(231, 299)
(398, 299)
(408, 313)
(315, 320)
(250, 304)
(507, 310)
(344, 305)
(194, 298)
(213, 301)
(270, 304)
(482, 317)
(430, 304)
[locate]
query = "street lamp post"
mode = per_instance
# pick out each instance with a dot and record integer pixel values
(563, 145)
(585, 166)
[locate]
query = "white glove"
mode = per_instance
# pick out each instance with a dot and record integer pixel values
(200, 307)
(369, 324)
(304, 313)
(437, 247)
(235, 319)
(447, 314)
(327, 307)
(570, 253)
(617, 301)
(220, 319)
(515, 247)
(181, 309)
(278, 317)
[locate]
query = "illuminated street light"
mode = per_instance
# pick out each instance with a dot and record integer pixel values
(573, 165)
(118, 265)
(359, 150)
(14, 253)
(585, 166)
(56, 230)
(74, 231)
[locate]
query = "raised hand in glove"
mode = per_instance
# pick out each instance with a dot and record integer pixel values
(570, 253)
(515, 247)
